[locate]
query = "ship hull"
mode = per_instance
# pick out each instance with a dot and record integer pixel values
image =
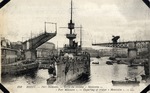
(74, 72)
(70, 69)
(11, 69)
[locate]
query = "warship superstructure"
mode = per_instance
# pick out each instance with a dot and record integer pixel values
(72, 62)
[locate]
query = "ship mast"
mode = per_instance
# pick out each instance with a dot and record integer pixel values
(81, 35)
(71, 36)
(71, 12)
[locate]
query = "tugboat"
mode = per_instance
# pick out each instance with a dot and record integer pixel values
(72, 62)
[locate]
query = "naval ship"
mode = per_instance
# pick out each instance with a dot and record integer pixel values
(72, 62)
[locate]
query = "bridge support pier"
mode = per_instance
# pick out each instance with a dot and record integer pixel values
(132, 50)
(132, 53)
(147, 67)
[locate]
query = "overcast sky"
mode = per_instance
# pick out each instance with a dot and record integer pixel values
(100, 19)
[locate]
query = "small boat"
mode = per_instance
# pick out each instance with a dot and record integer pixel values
(51, 80)
(95, 62)
(126, 82)
(109, 63)
(98, 56)
(112, 58)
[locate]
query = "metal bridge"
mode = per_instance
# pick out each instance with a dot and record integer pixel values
(137, 44)
(29, 46)
(35, 42)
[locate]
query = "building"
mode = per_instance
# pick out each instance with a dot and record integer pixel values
(45, 50)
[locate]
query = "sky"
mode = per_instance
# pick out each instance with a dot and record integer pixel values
(100, 19)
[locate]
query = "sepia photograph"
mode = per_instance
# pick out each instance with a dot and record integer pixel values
(75, 46)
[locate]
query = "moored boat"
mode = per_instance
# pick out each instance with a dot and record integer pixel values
(112, 58)
(95, 62)
(98, 56)
(109, 62)
(125, 82)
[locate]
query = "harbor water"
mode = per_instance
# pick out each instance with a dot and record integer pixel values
(101, 74)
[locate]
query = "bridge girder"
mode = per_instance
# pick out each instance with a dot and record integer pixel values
(138, 44)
